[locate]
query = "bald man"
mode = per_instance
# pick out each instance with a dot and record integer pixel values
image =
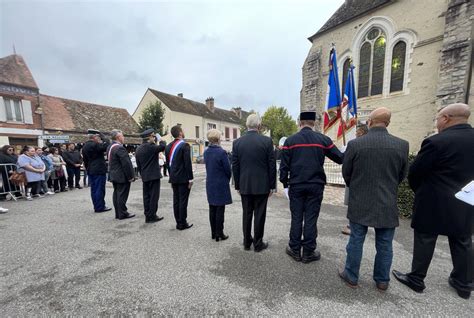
(444, 165)
(374, 166)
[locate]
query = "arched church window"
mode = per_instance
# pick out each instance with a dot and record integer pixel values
(371, 63)
(398, 66)
(345, 70)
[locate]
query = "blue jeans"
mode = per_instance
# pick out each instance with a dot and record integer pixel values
(97, 184)
(383, 258)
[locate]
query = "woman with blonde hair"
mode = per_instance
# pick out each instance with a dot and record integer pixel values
(218, 173)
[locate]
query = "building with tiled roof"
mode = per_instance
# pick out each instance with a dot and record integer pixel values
(195, 118)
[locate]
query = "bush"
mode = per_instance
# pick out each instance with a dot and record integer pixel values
(406, 197)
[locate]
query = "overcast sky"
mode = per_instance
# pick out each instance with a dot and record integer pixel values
(243, 53)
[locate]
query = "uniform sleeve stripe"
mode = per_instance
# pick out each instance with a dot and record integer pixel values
(308, 145)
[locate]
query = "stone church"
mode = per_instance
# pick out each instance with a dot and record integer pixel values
(412, 56)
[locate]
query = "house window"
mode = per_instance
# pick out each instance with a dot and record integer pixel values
(234, 133)
(227, 133)
(372, 61)
(211, 126)
(13, 109)
(398, 66)
(197, 131)
(345, 71)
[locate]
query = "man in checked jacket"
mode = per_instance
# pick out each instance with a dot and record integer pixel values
(303, 177)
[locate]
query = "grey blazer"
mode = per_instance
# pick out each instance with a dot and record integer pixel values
(374, 166)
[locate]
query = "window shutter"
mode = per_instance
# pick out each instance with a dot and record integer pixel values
(27, 113)
(3, 114)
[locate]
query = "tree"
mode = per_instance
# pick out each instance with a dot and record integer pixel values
(279, 122)
(152, 117)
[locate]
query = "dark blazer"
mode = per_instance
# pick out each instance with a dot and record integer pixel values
(253, 164)
(71, 158)
(181, 169)
(93, 155)
(443, 166)
(147, 161)
(374, 166)
(120, 165)
(218, 175)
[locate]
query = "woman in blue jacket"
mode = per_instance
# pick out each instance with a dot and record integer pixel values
(218, 173)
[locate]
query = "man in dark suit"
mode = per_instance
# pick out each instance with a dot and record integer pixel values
(178, 156)
(149, 168)
(303, 177)
(73, 165)
(374, 166)
(94, 162)
(121, 174)
(443, 166)
(254, 170)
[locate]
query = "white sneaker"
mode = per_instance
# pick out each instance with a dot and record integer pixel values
(3, 210)
(29, 198)
(49, 192)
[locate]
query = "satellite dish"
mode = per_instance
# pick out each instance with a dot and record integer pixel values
(281, 142)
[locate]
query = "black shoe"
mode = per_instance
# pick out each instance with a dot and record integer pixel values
(261, 247)
(221, 237)
(128, 216)
(402, 278)
(104, 210)
(308, 258)
(342, 274)
(461, 293)
(213, 236)
(293, 254)
(154, 220)
(71, 188)
(184, 227)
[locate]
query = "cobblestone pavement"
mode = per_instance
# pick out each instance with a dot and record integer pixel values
(58, 258)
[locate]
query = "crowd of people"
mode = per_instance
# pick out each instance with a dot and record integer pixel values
(373, 166)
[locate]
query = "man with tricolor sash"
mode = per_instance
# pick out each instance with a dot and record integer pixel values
(178, 155)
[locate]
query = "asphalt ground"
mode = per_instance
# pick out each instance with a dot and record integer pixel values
(58, 258)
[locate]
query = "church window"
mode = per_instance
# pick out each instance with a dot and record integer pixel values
(371, 63)
(398, 66)
(345, 70)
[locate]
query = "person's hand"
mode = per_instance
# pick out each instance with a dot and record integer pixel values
(270, 194)
(190, 185)
(286, 193)
(77, 165)
(131, 180)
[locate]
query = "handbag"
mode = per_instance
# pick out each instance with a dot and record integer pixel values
(59, 172)
(18, 178)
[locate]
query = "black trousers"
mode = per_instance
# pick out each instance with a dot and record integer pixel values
(305, 204)
(151, 195)
(216, 219)
(180, 202)
(461, 255)
(120, 197)
(254, 206)
(59, 184)
(73, 174)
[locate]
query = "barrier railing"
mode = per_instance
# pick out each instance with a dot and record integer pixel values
(333, 173)
(6, 186)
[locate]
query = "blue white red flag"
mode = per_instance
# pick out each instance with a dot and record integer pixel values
(348, 123)
(333, 98)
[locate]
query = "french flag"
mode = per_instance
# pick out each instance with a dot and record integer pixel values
(333, 98)
(348, 123)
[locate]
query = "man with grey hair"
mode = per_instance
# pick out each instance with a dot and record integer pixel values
(254, 169)
(121, 174)
(443, 166)
(94, 162)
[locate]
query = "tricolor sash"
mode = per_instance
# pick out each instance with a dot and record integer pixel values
(174, 148)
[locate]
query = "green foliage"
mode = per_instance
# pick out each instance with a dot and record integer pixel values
(152, 117)
(279, 122)
(406, 197)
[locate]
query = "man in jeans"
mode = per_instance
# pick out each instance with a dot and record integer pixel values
(374, 166)
(73, 165)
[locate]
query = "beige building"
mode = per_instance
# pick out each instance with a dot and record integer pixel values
(412, 56)
(195, 118)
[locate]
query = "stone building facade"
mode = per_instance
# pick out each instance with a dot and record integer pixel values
(413, 57)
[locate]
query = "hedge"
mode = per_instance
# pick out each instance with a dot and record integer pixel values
(406, 197)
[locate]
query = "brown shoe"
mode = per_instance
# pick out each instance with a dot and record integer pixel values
(346, 230)
(382, 286)
(343, 276)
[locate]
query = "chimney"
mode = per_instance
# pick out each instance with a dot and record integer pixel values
(210, 103)
(180, 94)
(238, 111)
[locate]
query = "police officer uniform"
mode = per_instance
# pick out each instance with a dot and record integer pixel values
(147, 156)
(302, 175)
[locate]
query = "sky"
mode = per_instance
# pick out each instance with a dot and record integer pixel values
(243, 53)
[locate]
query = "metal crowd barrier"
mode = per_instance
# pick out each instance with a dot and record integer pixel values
(333, 173)
(6, 186)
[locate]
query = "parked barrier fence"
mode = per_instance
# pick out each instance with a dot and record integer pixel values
(333, 173)
(7, 188)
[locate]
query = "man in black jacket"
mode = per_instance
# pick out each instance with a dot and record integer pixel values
(121, 174)
(443, 166)
(178, 156)
(303, 177)
(94, 162)
(254, 169)
(73, 165)
(149, 168)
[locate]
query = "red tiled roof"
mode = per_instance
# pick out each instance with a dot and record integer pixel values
(13, 70)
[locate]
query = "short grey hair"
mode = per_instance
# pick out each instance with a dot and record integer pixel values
(253, 121)
(214, 136)
(115, 134)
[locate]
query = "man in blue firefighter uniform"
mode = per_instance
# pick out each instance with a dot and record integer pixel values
(303, 177)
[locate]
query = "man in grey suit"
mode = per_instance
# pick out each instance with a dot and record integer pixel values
(374, 166)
